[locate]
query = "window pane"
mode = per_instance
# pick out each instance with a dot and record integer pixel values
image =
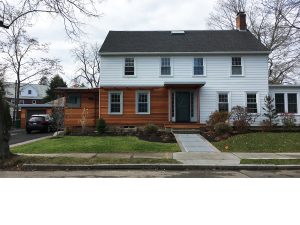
(236, 70)
(279, 103)
(129, 66)
(223, 107)
(143, 102)
(165, 71)
(165, 62)
(115, 102)
(292, 103)
(165, 66)
(198, 70)
(236, 61)
(223, 102)
(251, 103)
(198, 62)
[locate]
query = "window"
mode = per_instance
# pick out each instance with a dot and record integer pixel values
(279, 103)
(21, 101)
(236, 68)
(198, 66)
(73, 101)
(33, 101)
(129, 66)
(223, 102)
(292, 103)
(143, 102)
(165, 66)
(29, 92)
(251, 103)
(115, 102)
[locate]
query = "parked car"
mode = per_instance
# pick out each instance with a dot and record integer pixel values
(42, 123)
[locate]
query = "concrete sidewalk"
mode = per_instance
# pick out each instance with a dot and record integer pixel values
(194, 143)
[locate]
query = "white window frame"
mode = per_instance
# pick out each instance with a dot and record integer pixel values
(204, 66)
(171, 65)
(229, 99)
(257, 101)
(124, 65)
(242, 65)
(121, 102)
(287, 102)
(149, 102)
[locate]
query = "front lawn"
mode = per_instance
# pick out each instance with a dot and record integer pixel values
(271, 161)
(83, 144)
(261, 142)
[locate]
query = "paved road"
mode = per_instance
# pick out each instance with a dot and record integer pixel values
(152, 174)
(20, 135)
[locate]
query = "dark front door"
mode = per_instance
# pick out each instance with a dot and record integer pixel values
(183, 106)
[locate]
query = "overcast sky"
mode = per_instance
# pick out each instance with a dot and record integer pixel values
(123, 15)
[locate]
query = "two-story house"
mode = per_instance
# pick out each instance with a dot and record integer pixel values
(178, 78)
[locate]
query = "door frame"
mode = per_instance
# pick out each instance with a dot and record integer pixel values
(173, 104)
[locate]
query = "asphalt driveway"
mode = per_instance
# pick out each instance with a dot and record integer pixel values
(20, 135)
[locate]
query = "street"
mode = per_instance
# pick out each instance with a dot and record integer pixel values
(20, 135)
(152, 174)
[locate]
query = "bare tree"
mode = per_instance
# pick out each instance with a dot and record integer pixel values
(267, 21)
(58, 113)
(18, 50)
(70, 11)
(88, 60)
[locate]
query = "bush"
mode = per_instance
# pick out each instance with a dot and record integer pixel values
(101, 126)
(241, 118)
(151, 128)
(217, 117)
(222, 128)
(288, 121)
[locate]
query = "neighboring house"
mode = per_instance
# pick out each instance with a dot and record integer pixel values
(178, 78)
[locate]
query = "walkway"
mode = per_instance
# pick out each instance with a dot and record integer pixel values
(194, 143)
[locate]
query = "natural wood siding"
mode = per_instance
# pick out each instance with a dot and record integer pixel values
(73, 116)
(159, 113)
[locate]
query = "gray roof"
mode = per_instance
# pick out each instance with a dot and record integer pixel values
(10, 90)
(189, 42)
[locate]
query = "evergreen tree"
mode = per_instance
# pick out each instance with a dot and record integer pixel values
(270, 112)
(56, 81)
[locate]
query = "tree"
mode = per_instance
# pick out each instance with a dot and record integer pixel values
(18, 49)
(267, 21)
(270, 112)
(71, 12)
(88, 60)
(44, 81)
(56, 81)
(5, 121)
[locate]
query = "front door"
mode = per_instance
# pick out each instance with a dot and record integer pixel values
(183, 106)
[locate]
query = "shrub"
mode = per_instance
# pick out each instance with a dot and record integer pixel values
(101, 126)
(151, 128)
(217, 117)
(288, 121)
(222, 128)
(241, 118)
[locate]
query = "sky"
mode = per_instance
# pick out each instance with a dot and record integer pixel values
(121, 15)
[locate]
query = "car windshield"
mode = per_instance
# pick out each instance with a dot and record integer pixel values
(37, 119)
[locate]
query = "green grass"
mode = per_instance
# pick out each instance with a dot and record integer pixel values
(18, 161)
(83, 144)
(271, 161)
(261, 142)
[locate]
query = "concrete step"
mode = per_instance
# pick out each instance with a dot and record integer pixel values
(185, 131)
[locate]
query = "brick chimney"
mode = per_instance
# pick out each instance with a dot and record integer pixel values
(241, 23)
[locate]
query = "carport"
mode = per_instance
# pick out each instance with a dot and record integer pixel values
(27, 110)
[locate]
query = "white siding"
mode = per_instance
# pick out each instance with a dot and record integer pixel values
(218, 77)
(286, 90)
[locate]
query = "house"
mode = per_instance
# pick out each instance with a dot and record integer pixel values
(178, 78)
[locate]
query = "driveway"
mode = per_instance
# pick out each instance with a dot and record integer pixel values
(20, 135)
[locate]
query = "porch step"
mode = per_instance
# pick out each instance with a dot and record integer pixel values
(185, 131)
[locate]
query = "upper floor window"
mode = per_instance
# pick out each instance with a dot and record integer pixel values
(115, 102)
(73, 101)
(198, 67)
(292, 103)
(165, 66)
(143, 102)
(29, 92)
(279, 103)
(129, 67)
(236, 66)
(223, 102)
(251, 103)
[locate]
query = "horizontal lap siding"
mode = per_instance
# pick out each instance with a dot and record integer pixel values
(158, 108)
(73, 116)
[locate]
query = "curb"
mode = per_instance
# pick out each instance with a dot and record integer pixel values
(45, 167)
